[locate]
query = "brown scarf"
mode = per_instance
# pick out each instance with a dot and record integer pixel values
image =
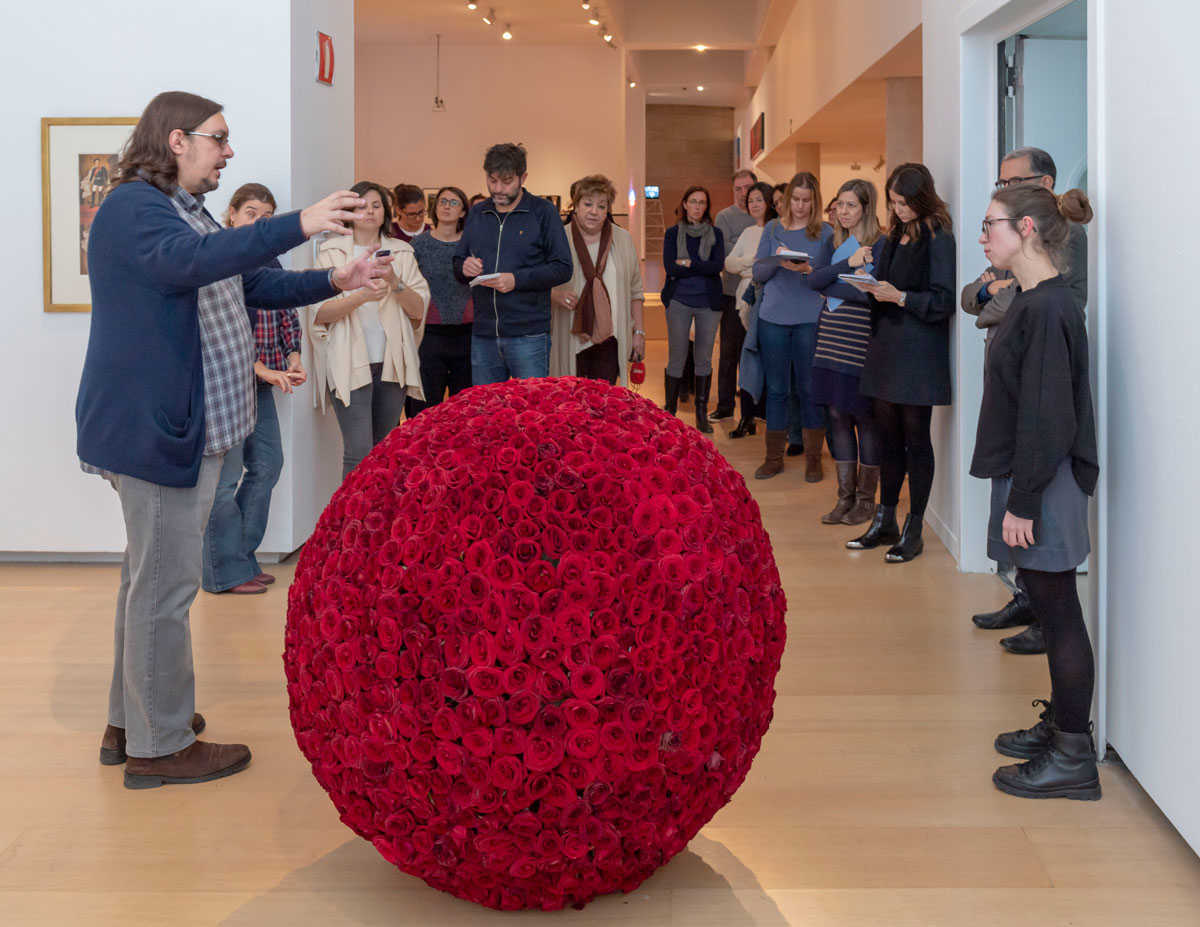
(594, 317)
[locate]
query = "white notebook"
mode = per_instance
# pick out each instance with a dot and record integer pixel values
(483, 278)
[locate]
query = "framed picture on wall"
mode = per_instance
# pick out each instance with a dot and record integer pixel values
(79, 157)
(757, 136)
(431, 200)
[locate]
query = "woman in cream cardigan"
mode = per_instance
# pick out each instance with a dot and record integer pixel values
(597, 325)
(365, 341)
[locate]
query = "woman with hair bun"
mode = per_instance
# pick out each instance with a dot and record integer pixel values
(1036, 442)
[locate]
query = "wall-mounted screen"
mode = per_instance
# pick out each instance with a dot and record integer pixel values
(652, 192)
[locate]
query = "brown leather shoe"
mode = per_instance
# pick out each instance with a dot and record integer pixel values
(198, 762)
(814, 442)
(773, 464)
(112, 744)
(249, 587)
(265, 578)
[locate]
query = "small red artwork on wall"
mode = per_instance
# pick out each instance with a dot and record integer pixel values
(757, 137)
(324, 59)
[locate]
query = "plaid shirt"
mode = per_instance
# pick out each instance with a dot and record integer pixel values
(226, 345)
(276, 335)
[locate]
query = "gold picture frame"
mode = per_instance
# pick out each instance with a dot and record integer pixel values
(78, 156)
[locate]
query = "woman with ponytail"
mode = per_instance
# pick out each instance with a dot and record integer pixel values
(1036, 442)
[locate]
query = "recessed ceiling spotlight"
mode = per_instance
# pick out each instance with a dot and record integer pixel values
(632, 84)
(700, 88)
(490, 16)
(586, 5)
(472, 5)
(700, 48)
(507, 34)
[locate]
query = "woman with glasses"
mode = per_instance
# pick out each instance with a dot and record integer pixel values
(365, 340)
(597, 326)
(1036, 442)
(907, 367)
(446, 346)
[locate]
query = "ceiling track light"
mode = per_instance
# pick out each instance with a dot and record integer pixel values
(507, 34)
(586, 5)
(490, 17)
(608, 36)
(594, 21)
(472, 5)
(632, 84)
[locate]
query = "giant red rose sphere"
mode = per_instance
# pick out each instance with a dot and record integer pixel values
(531, 646)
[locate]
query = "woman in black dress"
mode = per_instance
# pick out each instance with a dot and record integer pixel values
(907, 368)
(1037, 443)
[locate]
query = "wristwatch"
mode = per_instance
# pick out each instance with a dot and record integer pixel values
(639, 331)
(903, 299)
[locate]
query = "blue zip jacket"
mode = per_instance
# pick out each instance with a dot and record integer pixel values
(529, 243)
(140, 409)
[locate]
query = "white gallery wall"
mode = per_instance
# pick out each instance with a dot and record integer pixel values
(47, 504)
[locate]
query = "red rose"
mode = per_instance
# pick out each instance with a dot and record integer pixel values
(587, 683)
(542, 754)
(507, 773)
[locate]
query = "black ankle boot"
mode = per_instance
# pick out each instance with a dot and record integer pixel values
(1066, 769)
(703, 384)
(883, 530)
(746, 426)
(1031, 640)
(1017, 612)
(1033, 741)
(910, 544)
(671, 385)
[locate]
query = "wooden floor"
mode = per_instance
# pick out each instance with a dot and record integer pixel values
(870, 804)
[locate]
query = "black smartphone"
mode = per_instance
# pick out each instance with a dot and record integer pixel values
(383, 253)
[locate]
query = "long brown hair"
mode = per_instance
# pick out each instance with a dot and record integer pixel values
(864, 192)
(807, 181)
(244, 194)
(914, 182)
(147, 155)
(1051, 215)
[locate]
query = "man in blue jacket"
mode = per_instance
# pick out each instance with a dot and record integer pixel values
(517, 243)
(167, 389)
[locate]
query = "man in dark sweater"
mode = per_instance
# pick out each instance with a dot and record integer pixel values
(732, 221)
(988, 297)
(167, 389)
(516, 243)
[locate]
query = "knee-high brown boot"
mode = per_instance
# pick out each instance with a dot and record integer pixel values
(845, 492)
(773, 464)
(814, 442)
(864, 496)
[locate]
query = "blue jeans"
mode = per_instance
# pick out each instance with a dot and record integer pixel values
(787, 354)
(243, 501)
(494, 360)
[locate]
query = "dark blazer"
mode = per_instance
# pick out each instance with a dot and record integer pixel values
(140, 409)
(908, 357)
(710, 269)
(529, 243)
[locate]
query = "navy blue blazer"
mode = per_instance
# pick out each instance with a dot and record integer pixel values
(140, 409)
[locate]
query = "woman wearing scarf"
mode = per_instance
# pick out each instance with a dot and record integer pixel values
(597, 325)
(693, 256)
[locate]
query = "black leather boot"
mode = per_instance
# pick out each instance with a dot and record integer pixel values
(1018, 611)
(1032, 741)
(746, 426)
(910, 545)
(1066, 769)
(883, 530)
(671, 385)
(1031, 640)
(703, 385)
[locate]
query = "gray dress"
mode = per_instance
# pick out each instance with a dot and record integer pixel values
(1060, 531)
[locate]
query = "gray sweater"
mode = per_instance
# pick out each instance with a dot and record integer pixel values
(990, 311)
(732, 222)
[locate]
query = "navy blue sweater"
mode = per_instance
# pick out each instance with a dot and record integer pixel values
(140, 409)
(699, 283)
(530, 243)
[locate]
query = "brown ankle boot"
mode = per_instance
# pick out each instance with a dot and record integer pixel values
(864, 497)
(846, 486)
(112, 744)
(773, 464)
(814, 441)
(198, 762)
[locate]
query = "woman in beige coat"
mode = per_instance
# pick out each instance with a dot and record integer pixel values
(597, 325)
(365, 341)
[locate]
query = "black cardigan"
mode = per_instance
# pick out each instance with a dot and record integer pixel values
(710, 269)
(908, 357)
(1037, 399)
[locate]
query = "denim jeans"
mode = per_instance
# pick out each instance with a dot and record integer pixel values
(787, 355)
(243, 501)
(494, 360)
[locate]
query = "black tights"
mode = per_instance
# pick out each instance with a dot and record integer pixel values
(907, 447)
(1055, 600)
(865, 447)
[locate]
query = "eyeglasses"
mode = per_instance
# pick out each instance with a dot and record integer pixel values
(1002, 183)
(448, 202)
(221, 138)
(987, 224)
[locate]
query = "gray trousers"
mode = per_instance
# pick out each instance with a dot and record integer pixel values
(153, 693)
(373, 412)
(679, 324)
